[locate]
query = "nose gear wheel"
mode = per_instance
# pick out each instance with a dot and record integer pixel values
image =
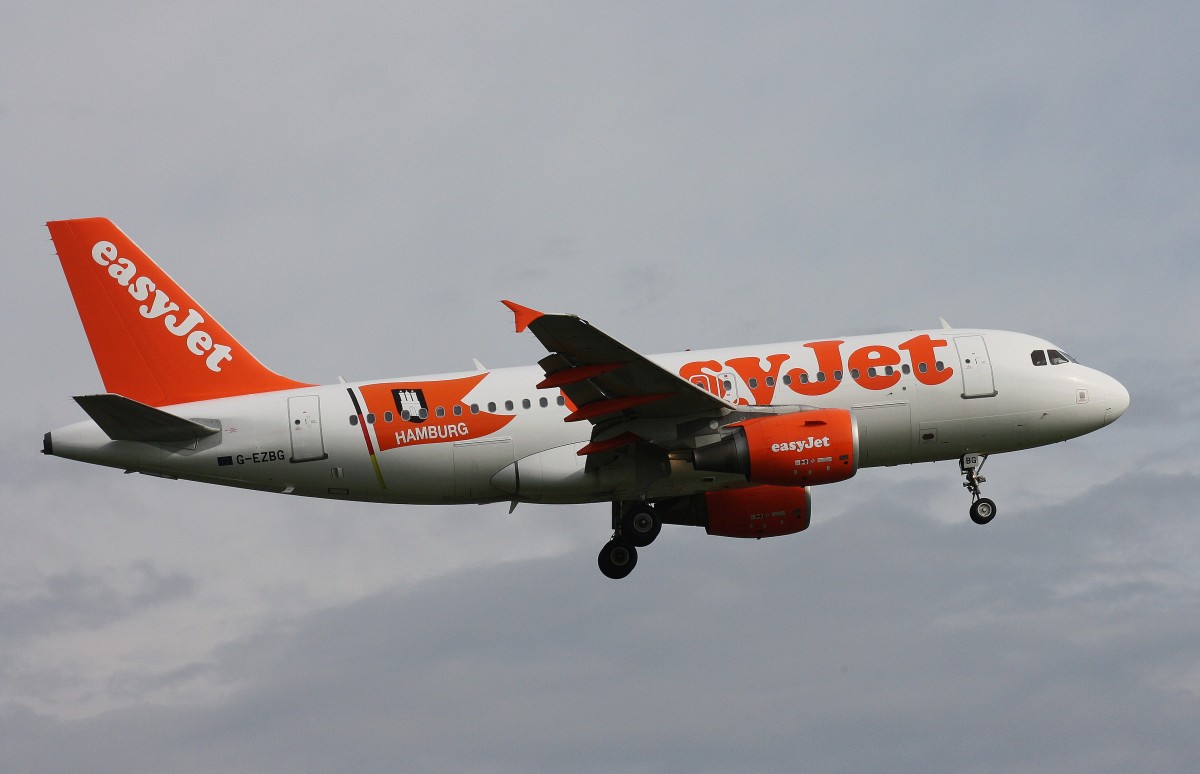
(982, 510)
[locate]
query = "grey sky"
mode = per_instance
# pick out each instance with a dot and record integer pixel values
(352, 188)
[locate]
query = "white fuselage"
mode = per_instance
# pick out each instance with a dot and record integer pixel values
(492, 435)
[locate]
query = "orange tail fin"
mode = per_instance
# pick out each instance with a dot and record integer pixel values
(152, 342)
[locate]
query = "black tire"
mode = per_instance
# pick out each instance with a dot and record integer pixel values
(617, 559)
(983, 510)
(640, 525)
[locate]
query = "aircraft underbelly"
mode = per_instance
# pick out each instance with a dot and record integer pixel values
(885, 433)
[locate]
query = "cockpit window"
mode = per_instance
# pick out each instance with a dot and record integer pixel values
(1058, 358)
(1038, 356)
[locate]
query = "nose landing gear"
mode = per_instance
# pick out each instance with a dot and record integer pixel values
(983, 510)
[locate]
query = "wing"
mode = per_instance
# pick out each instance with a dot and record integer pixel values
(626, 396)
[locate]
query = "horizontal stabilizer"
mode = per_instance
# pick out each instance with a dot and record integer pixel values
(123, 419)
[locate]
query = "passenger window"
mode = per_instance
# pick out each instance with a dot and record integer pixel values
(854, 373)
(370, 419)
(354, 420)
(405, 415)
(525, 403)
(871, 372)
(508, 405)
(905, 369)
(753, 383)
(457, 410)
(543, 402)
(787, 379)
(492, 406)
(770, 381)
(474, 408)
(940, 366)
(440, 411)
(820, 376)
(888, 371)
(922, 367)
(837, 376)
(1038, 356)
(424, 413)
(388, 416)
(560, 400)
(1057, 358)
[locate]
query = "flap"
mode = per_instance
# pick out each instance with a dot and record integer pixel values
(604, 378)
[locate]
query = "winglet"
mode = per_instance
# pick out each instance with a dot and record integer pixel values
(523, 314)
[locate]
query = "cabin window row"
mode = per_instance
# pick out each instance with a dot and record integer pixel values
(457, 410)
(872, 372)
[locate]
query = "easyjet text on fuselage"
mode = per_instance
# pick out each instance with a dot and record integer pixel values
(873, 367)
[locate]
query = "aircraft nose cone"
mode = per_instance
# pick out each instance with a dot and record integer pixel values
(1116, 399)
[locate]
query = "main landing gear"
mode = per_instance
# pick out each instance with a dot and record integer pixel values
(983, 510)
(635, 528)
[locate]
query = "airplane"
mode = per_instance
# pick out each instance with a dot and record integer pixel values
(732, 440)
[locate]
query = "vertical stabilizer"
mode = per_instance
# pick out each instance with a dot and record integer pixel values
(151, 340)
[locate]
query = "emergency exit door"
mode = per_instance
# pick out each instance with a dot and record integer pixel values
(975, 366)
(304, 420)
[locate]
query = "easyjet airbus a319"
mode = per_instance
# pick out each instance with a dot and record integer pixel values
(731, 440)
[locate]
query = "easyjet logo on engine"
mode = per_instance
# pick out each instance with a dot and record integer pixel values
(874, 367)
(808, 443)
(197, 340)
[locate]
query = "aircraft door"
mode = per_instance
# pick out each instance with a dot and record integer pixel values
(975, 366)
(304, 422)
(728, 385)
(723, 385)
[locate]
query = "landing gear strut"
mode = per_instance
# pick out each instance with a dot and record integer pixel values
(635, 528)
(983, 510)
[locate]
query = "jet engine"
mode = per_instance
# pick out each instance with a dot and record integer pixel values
(819, 446)
(750, 512)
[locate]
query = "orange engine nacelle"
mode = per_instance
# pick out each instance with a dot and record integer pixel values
(802, 449)
(757, 511)
(750, 512)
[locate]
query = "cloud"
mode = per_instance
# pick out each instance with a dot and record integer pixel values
(876, 640)
(328, 180)
(74, 599)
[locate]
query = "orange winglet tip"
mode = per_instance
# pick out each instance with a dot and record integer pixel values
(523, 314)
